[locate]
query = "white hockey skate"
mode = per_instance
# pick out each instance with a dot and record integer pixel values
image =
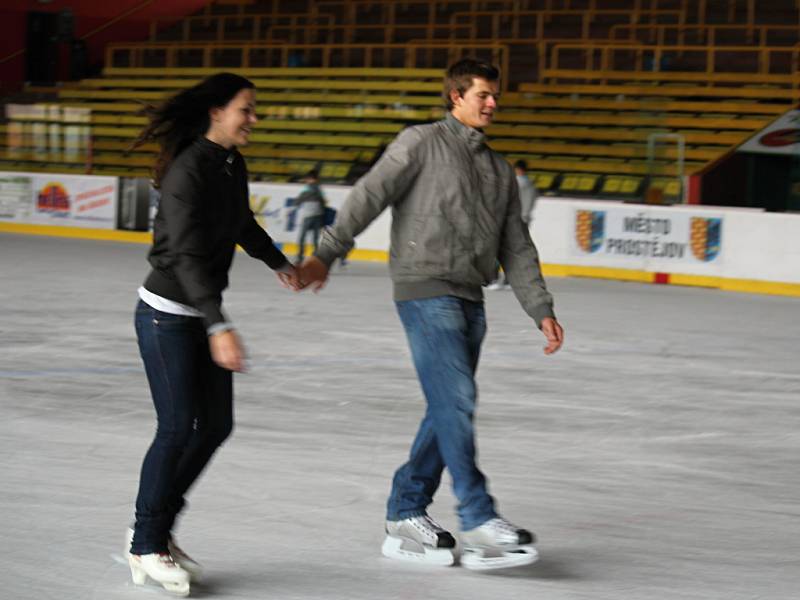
(419, 539)
(497, 544)
(186, 562)
(161, 569)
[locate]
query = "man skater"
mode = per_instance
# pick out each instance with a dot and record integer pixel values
(455, 214)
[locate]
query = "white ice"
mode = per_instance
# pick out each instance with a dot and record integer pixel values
(655, 456)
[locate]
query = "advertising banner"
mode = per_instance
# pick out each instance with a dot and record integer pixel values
(647, 238)
(53, 199)
(782, 136)
(273, 205)
(16, 194)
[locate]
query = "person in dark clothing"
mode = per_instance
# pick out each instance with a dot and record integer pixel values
(189, 347)
(310, 213)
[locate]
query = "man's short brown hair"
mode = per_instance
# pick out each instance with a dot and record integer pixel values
(460, 75)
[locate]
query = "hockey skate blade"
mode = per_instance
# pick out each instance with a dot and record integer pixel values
(485, 559)
(411, 551)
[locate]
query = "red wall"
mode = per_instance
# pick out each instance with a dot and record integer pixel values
(88, 14)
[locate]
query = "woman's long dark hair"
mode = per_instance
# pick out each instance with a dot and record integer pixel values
(181, 119)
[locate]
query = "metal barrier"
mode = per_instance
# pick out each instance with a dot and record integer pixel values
(706, 35)
(257, 24)
(604, 56)
(410, 55)
(542, 17)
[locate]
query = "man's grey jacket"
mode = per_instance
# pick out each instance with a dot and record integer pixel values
(455, 213)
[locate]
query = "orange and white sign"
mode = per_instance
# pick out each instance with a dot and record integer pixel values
(52, 199)
(782, 136)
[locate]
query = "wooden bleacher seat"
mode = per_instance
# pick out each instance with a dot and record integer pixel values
(679, 91)
(197, 73)
(596, 102)
(176, 85)
(504, 136)
(633, 120)
(70, 94)
(744, 79)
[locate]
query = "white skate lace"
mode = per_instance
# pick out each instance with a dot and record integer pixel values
(166, 560)
(427, 526)
(177, 552)
(503, 527)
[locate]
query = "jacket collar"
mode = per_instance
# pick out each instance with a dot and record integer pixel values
(219, 154)
(474, 138)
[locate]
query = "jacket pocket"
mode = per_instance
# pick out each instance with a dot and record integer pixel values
(424, 246)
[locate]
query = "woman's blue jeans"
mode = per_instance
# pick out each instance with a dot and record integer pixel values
(445, 335)
(193, 398)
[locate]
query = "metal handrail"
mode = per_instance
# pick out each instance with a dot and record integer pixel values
(586, 16)
(256, 23)
(658, 32)
(410, 51)
(607, 50)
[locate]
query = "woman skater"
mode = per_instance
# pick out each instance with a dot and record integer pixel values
(189, 346)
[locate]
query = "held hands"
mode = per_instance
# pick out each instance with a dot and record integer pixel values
(313, 273)
(289, 278)
(227, 350)
(554, 334)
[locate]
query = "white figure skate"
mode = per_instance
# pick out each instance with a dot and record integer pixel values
(419, 539)
(161, 569)
(497, 544)
(186, 562)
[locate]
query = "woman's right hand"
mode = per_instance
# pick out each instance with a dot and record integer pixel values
(227, 350)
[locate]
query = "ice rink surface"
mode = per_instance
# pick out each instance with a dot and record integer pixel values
(656, 456)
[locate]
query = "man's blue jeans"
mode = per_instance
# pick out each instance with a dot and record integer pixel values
(193, 398)
(445, 335)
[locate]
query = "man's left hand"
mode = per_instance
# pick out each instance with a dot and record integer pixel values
(554, 334)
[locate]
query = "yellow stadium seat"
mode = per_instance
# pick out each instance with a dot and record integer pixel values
(578, 183)
(618, 186)
(544, 181)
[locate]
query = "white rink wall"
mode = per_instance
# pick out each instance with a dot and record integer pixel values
(752, 244)
(729, 248)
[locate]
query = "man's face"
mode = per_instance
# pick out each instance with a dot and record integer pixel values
(476, 108)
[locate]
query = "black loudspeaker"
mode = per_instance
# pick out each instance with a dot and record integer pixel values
(78, 60)
(66, 25)
(41, 49)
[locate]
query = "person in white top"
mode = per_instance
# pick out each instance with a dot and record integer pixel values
(527, 200)
(527, 192)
